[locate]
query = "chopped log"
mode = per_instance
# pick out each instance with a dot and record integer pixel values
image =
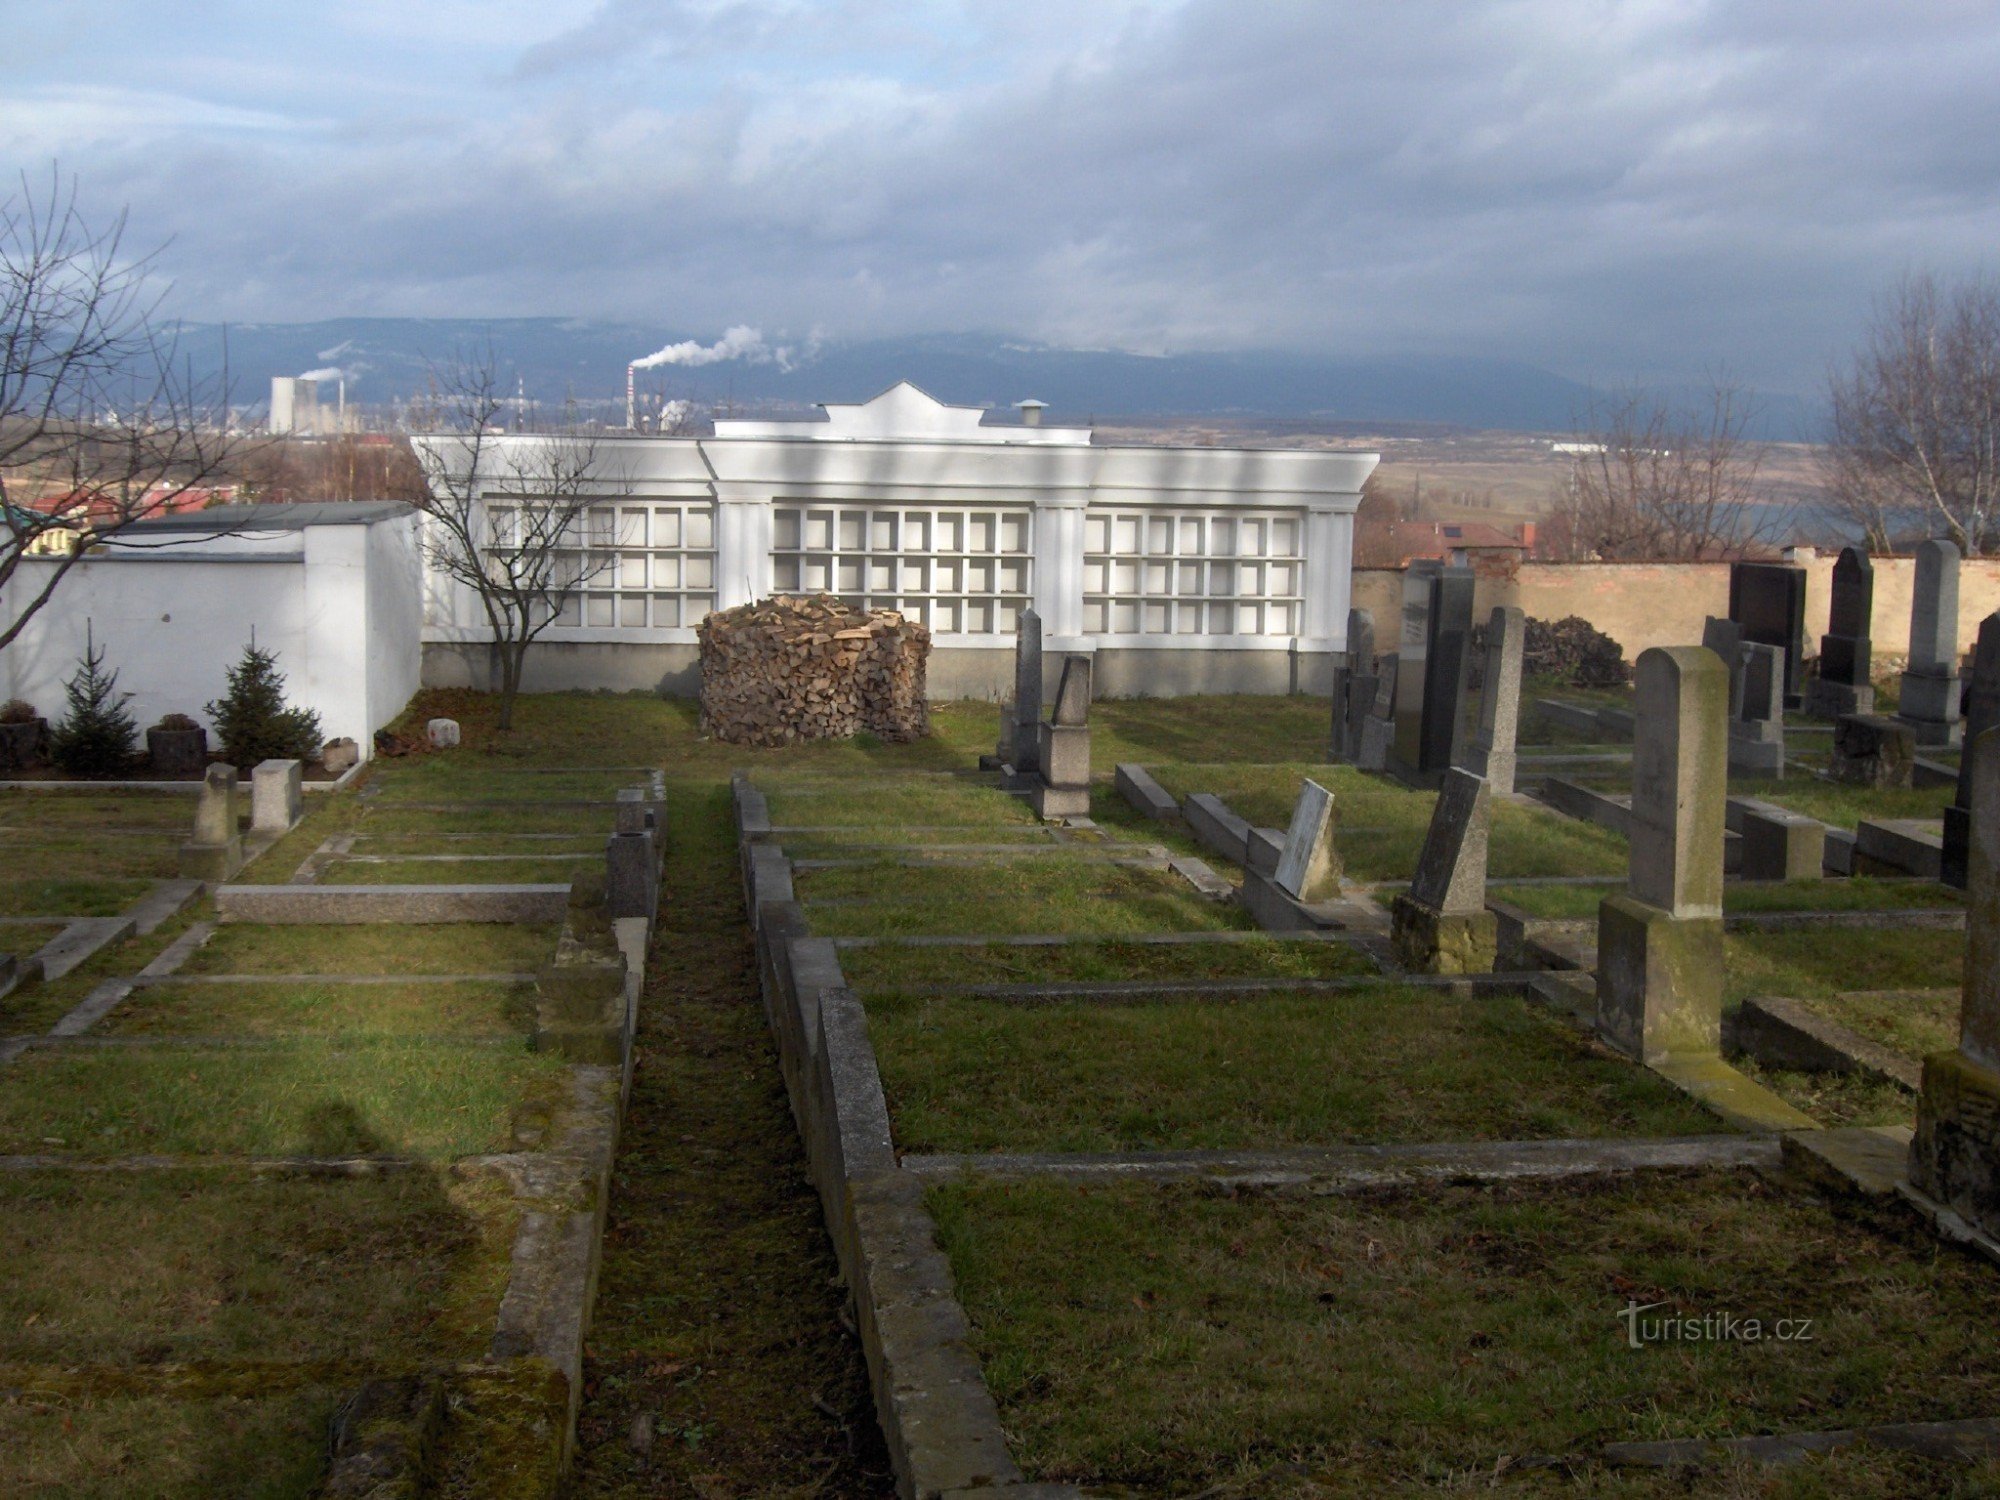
(812, 667)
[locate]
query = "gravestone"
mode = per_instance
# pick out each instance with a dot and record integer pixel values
(1781, 845)
(1492, 754)
(1412, 641)
(1353, 686)
(1873, 750)
(1982, 712)
(1427, 740)
(1659, 945)
(1309, 865)
(216, 851)
(1441, 924)
(1929, 700)
(1725, 639)
(1021, 719)
(632, 859)
(1844, 685)
(277, 797)
(1757, 731)
(1062, 747)
(1768, 601)
(1955, 1155)
(1378, 725)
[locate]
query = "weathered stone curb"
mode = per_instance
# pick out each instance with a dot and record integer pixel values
(1145, 795)
(1175, 989)
(1586, 804)
(938, 1418)
(391, 903)
(1783, 1033)
(1334, 1169)
(1222, 832)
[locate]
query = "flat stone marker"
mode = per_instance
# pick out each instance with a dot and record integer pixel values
(1930, 686)
(1441, 924)
(1492, 753)
(277, 796)
(1955, 1156)
(1768, 600)
(1659, 947)
(1308, 866)
(443, 733)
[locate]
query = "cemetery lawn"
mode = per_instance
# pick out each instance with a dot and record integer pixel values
(1376, 1064)
(888, 967)
(901, 807)
(342, 948)
(1859, 893)
(1916, 1023)
(509, 871)
(1843, 806)
(328, 1010)
(1834, 1099)
(299, 1099)
(1175, 1339)
(32, 1008)
(1008, 898)
(1806, 964)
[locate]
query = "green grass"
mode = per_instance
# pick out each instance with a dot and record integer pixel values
(341, 948)
(425, 1100)
(1861, 893)
(405, 1268)
(330, 1010)
(888, 804)
(1916, 1023)
(36, 1007)
(1010, 898)
(522, 871)
(40, 892)
(1176, 1339)
(413, 823)
(890, 967)
(1807, 964)
(1835, 1099)
(1381, 1064)
(1843, 806)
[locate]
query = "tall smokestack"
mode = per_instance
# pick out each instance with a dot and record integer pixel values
(631, 398)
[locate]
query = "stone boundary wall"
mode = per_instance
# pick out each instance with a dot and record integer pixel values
(938, 1418)
(1664, 604)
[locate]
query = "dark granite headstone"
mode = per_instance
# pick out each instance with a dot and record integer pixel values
(1447, 664)
(1843, 688)
(1725, 639)
(1353, 685)
(1982, 712)
(1768, 600)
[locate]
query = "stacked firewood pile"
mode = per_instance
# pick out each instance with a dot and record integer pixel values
(794, 668)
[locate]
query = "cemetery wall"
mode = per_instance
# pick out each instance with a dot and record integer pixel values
(340, 605)
(1640, 605)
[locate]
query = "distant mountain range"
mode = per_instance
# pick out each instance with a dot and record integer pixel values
(554, 359)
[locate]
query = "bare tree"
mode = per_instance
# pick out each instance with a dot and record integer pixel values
(1654, 479)
(523, 520)
(100, 427)
(1914, 438)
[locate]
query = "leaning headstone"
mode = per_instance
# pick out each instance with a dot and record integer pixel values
(1062, 784)
(216, 850)
(1492, 754)
(443, 733)
(1955, 1156)
(1428, 745)
(1659, 945)
(1308, 866)
(1757, 731)
(1873, 750)
(1378, 726)
(1353, 686)
(1982, 712)
(1844, 685)
(277, 798)
(1929, 701)
(1441, 924)
(1412, 643)
(1725, 639)
(1768, 600)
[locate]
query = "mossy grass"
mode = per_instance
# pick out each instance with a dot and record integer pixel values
(1835, 1099)
(1807, 963)
(417, 822)
(1008, 898)
(1841, 805)
(891, 967)
(37, 889)
(302, 1099)
(401, 1269)
(26, 811)
(340, 948)
(1916, 1023)
(325, 1010)
(1862, 893)
(1175, 1340)
(1385, 1063)
(33, 1008)
(523, 870)
(890, 803)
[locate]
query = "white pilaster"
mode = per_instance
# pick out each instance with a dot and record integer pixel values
(743, 538)
(1058, 547)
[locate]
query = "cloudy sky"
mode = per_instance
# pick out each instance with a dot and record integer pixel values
(1614, 190)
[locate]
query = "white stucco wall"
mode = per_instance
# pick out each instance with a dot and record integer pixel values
(340, 605)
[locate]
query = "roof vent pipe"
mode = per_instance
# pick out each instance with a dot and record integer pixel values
(1031, 412)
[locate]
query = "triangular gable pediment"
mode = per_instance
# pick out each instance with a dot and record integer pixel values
(902, 411)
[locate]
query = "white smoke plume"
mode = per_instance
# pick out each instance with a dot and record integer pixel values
(741, 342)
(331, 372)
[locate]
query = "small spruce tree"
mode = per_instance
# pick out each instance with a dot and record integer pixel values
(251, 719)
(96, 737)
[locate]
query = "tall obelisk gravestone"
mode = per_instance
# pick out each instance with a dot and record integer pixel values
(1659, 946)
(1930, 687)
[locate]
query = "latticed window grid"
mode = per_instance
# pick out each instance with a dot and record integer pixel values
(961, 571)
(636, 565)
(1193, 572)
